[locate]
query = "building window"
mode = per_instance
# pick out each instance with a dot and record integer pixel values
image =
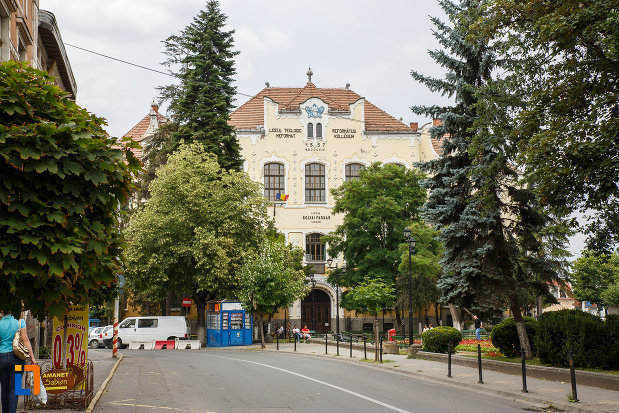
(273, 180)
(314, 247)
(396, 164)
(310, 130)
(315, 182)
(319, 130)
(21, 50)
(352, 171)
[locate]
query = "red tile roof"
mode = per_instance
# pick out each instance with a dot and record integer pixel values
(251, 114)
(137, 132)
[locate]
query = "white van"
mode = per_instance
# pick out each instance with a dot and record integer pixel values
(152, 328)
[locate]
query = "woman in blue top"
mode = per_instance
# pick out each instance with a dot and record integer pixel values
(8, 360)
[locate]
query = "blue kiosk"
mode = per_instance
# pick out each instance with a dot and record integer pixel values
(227, 324)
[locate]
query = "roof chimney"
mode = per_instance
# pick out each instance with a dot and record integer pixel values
(347, 85)
(414, 126)
(154, 107)
(267, 84)
(437, 122)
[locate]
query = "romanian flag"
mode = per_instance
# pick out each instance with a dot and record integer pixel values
(281, 197)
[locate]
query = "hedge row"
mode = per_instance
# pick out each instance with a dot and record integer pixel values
(594, 343)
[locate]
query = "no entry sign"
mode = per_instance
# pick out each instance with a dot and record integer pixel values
(187, 302)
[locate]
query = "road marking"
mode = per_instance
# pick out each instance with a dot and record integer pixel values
(333, 386)
(153, 407)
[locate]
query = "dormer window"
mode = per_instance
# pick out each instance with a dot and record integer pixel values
(319, 130)
(310, 130)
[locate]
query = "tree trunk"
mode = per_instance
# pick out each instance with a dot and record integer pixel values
(169, 299)
(520, 328)
(261, 327)
(398, 321)
(201, 308)
(437, 315)
(455, 316)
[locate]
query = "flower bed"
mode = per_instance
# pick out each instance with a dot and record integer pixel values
(470, 346)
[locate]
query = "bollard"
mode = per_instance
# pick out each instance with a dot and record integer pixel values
(381, 348)
(326, 344)
(351, 344)
(573, 377)
(295, 342)
(365, 351)
(481, 381)
(277, 338)
(524, 371)
(337, 343)
(449, 359)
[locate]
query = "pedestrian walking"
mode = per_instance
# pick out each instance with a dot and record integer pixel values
(478, 326)
(9, 327)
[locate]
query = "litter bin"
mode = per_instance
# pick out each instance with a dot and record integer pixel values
(391, 334)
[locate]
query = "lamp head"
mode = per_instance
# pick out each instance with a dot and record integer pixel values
(407, 233)
(330, 262)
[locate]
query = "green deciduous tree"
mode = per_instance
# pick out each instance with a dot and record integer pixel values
(194, 233)
(378, 206)
(425, 268)
(564, 60)
(202, 58)
(594, 275)
(271, 279)
(62, 183)
(371, 295)
(498, 243)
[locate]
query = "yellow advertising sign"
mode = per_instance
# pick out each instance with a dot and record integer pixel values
(76, 344)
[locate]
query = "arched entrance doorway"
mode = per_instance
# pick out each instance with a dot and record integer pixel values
(315, 311)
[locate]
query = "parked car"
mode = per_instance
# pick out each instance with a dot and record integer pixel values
(106, 334)
(93, 337)
(151, 328)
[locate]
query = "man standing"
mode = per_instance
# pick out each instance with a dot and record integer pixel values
(478, 326)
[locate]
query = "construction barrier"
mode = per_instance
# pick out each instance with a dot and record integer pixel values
(168, 344)
(188, 344)
(165, 344)
(141, 345)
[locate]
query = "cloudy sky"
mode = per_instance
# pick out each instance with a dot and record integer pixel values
(373, 45)
(370, 44)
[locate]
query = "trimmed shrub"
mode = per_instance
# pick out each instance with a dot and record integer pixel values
(437, 340)
(584, 334)
(504, 336)
(612, 329)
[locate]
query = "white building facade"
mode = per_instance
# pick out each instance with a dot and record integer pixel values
(305, 141)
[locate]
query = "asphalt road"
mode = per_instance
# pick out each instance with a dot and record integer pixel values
(254, 381)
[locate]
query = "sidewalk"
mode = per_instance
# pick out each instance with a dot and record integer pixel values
(102, 362)
(545, 393)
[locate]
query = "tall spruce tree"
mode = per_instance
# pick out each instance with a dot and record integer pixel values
(201, 103)
(498, 244)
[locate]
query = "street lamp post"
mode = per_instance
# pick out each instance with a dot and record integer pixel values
(337, 295)
(411, 249)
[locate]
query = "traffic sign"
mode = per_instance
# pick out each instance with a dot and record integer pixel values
(187, 302)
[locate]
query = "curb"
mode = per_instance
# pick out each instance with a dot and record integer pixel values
(587, 378)
(95, 399)
(511, 395)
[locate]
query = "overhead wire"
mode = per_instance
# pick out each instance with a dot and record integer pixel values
(158, 71)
